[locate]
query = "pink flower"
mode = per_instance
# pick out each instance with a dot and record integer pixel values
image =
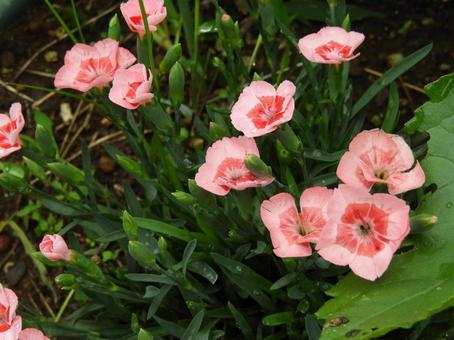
(10, 126)
(364, 230)
(155, 12)
(261, 108)
(224, 168)
(10, 323)
(131, 87)
(87, 66)
(291, 233)
(375, 156)
(54, 248)
(330, 45)
(32, 334)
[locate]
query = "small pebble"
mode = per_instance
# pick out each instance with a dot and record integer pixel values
(66, 113)
(5, 242)
(106, 164)
(51, 56)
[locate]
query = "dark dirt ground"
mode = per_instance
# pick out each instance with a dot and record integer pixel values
(405, 27)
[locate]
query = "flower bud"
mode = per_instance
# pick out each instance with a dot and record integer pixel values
(289, 139)
(422, 223)
(142, 254)
(66, 281)
(171, 57)
(282, 153)
(257, 166)
(184, 197)
(114, 28)
(130, 226)
(231, 30)
(54, 248)
(216, 131)
(176, 84)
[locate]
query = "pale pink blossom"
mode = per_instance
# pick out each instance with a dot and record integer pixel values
(155, 12)
(330, 45)
(224, 166)
(54, 248)
(88, 67)
(131, 87)
(364, 230)
(375, 156)
(32, 334)
(261, 108)
(10, 323)
(291, 232)
(10, 127)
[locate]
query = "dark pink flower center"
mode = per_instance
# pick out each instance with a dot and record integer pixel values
(363, 229)
(5, 132)
(333, 51)
(312, 219)
(233, 171)
(92, 68)
(267, 112)
(5, 322)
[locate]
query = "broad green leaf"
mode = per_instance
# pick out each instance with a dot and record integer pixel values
(418, 283)
(440, 106)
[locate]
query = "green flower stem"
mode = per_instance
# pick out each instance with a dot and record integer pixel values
(76, 19)
(149, 42)
(61, 21)
(64, 305)
(258, 43)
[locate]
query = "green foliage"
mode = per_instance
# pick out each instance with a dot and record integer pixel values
(164, 258)
(420, 282)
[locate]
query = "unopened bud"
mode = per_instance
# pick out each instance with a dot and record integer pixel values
(176, 84)
(422, 223)
(66, 281)
(289, 139)
(184, 197)
(142, 254)
(216, 131)
(257, 166)
(171, 57)
(114, 28)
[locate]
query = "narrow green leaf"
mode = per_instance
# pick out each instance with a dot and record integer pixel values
(144, 335)
(312, 327)
(194, 326)
(203, 269)
(188, 251)
(241, 321)
(278, 319)
(389, 76)
(392, 112)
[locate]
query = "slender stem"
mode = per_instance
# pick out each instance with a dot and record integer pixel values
(254, 53)
(61, 21)
(149, 44)
(196, 28)
(76, 19)
(195, 88)
(64, 305)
